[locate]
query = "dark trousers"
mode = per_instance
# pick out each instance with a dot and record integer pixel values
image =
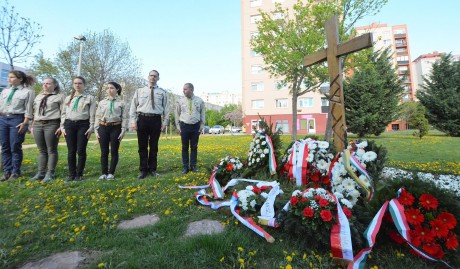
(148, 134)
(47, 143)
(189, 134)
(108, 136)
(76, 144)
(11, 142)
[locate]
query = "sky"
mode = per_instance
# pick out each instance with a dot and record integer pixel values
(199, 41)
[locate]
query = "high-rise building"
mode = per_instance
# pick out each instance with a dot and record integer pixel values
(4, 71)
(423, 64)
(263, 95)
(396, 38)
(222, 98)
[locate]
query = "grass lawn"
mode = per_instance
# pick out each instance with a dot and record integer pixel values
(38, 219)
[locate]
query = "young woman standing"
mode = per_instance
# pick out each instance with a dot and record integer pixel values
(77, 125)
(110, 126)
(48, 106)
(16, 109)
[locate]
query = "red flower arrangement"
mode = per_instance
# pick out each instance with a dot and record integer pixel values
(432, 230)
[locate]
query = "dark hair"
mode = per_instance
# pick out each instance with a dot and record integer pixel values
(26, 79)
(117, 86)
(57, 87)
(72, 94)
(153, 70)
(190, 85)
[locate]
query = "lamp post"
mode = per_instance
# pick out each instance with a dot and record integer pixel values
(81, 38)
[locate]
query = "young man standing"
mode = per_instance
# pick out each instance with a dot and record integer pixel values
(149, 115)
(190, 117)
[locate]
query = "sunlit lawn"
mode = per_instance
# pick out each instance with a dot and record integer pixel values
(41, 219)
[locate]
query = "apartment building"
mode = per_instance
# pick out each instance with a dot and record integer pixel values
(4, 71)
(396, 38)
(264, 96)
(422, 66)
(222, 98)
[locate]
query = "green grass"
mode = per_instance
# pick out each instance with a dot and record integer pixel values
(42, 219)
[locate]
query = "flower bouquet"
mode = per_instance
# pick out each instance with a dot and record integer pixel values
(311, 215)
(229, 167)
(432, 228)
(251, 199)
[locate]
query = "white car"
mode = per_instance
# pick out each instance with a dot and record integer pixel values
(236, 129)
(217, 129)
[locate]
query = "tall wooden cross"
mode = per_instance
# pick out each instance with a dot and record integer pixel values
(332, 53)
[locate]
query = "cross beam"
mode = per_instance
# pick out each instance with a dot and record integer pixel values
(332, 54)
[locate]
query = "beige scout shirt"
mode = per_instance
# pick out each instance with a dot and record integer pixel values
(21, 103)
(190, 111)
(54, 106)
(119, 113)
(142, 104)
(86, 109)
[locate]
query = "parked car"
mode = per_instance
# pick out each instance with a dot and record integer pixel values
(205, 130)
(217, 129)
(235, 129)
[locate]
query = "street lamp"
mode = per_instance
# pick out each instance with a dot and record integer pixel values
(81, 38)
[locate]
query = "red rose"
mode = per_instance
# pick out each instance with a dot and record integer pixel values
(326, 215)
(325, 180)
(414, 217)
(256, 190)
(448, 219)
(315, 176)
(308, 212)
(304, 200)
(451, 242)
(406, 198)
(347, 212)
(323, 202)
(428, 202)
(229, 167)
(294, 200)
(438, 228)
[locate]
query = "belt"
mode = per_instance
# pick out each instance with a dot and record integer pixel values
(109, 123)
(76, 121)
(181, 122)
(148, 114)
(9, 115)
(48, 121)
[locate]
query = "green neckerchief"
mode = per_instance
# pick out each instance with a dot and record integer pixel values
(111, 107)
(75, 104)
(190, 105)
(10, 97)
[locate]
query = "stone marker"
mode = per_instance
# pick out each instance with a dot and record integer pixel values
(67, 260)
(139, 222)
(204, 227)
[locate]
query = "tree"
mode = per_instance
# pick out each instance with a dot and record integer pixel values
(18, 35)
(372, 95)
(286, 36)
(441, 96)
(418, 121)
(105, 58)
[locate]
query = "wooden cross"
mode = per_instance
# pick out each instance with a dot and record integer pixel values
(332, 53)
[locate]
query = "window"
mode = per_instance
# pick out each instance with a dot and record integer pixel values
(282, 125)
(324, 101)
(255, 18)
(257, 86)
(4, 76)
(395, 127)
(305, 102)
(256, 69)
(386, 42)
(282, 103)
(278, 16)
(399, 32)
(254, 54)
(303, 124)
(256, 3)
(258, 104)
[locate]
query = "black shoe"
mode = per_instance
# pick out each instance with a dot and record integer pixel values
(193, 169)
(78, 178)
(184, 171)
(142, 175)
(14, 176)
(5, 177)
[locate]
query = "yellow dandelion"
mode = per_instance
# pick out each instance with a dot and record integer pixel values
(240, 249)
(101, 265)
(72, 240)
(288, 266)
(222, 259)
(289, 258)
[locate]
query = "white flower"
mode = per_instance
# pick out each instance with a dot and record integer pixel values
(258, 160)
(323, 144)
(296, 192)
(262, 155)
(360, 152)
(369, 156)
(338, 195)
(312, 146)
(322, 165)
(263, 143)
(252, 203)
(365, 180)
(310, 157)
(348, 184)
(266, 151)
(362, 144)
(257, 141)
(346, 203)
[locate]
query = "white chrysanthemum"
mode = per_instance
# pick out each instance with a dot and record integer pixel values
(309, 194)
(369, 156)
(252, 203)
(221, 163)
(322, 165)
(263, 143)
(365, 180)
(337, 180)
(323, 144)
(244, 194)
(257, 141)
(354, 193)
(360, 152)
(321, 191)
(266, 151)
(258, 160)
(348, 184)
(262, 155)
(346, 203)
(362, 144)
(312, 146)
(310, 157)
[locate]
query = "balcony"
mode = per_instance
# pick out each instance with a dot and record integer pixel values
(400, 44)
(401, 35)
(403, 62)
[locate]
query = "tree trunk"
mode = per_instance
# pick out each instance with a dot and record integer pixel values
(295, 91)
